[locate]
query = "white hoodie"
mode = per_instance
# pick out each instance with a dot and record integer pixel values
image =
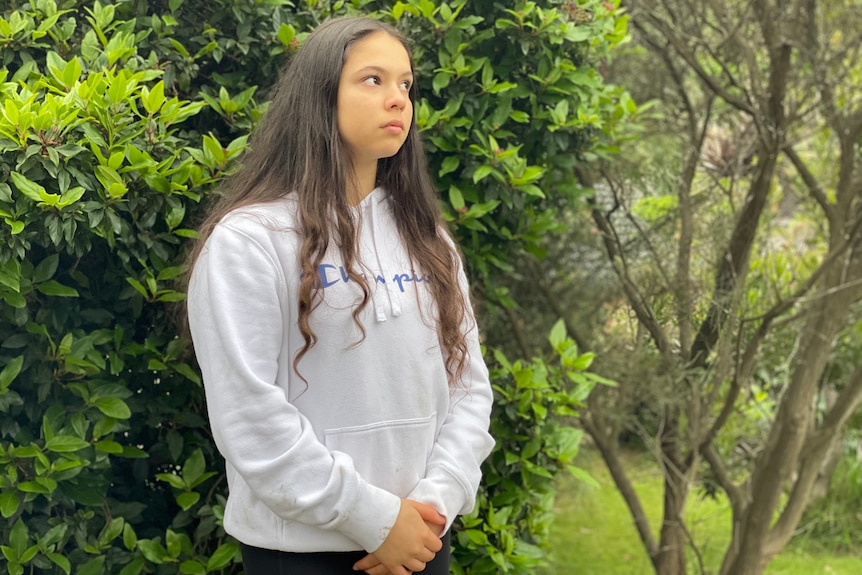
(322, 466)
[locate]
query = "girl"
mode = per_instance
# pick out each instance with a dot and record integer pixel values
(329, 313)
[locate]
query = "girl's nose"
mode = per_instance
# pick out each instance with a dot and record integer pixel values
(397, 98)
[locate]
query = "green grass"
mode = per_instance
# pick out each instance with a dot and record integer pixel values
(593, 533)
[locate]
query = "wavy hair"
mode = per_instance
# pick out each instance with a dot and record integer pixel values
(297, 149)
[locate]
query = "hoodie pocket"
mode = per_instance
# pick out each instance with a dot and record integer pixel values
(391, 455)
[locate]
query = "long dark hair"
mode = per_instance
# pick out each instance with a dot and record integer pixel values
(297, 149)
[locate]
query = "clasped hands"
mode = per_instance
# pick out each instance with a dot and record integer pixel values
(413, 541)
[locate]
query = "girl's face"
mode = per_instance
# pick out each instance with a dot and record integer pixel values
(374, 109)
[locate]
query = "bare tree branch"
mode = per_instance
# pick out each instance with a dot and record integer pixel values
(616, 256)
(734, 493)
(810, 182)
(824, 83)
(685, 52)
(657, 259)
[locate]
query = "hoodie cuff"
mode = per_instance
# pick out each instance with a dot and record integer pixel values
(372, 516)
(445, 494)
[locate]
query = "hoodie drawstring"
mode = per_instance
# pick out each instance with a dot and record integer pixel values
(389, 284)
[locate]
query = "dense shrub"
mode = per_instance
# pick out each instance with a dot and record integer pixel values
(116, 121)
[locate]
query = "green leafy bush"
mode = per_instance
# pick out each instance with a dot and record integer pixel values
(508, 531)
(116, 120)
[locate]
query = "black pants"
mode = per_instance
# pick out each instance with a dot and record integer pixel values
(258, 561)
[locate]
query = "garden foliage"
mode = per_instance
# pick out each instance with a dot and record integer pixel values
(117, 120)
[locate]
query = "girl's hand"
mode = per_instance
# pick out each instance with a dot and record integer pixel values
(409, 546)
(433, 519)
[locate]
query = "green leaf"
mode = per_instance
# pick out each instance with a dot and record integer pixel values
(583, 361)
(54, 535)
(113, 407)
(173, 480)
(46, 268)
(10, 372)
(450, 164)
(171, 296)
(139, 287)
(112, 181)
(560, 112)
(29, 554)
(441, 80)
(194, 467)
(60, 561)
(111, 531)
(456, 198)
(531, 448)
(108, 447)
(481, 173)
(17, 226)
(558, 334)
(192, 568)
(222, 556)
(133, 568)
(65, 444)
(133, 452)
(130, 539)
(502, 87)
(33, 487)
(18, 539)
(153, 99)
(174, 543)
(9, 503)
(10, 275)
(72, 72)
(28, 187)
(71, 196)
(170, 273)
(286, 34)
(187, 372)
(477, 537)
(94, 566)
(56, 289)
(582, 475)
(187, 499)
(153, 550)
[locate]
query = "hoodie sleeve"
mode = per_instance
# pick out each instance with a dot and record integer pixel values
(453, 472)
(235, 301)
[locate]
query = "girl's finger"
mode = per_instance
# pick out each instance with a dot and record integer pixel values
(366, 563)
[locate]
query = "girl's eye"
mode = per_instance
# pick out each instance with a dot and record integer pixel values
(372, 80)
(406, 85)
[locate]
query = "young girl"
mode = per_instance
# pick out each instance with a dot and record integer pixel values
(329, 313)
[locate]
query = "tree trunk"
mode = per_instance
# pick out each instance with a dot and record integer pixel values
(671, 558)
(830, 464)
(754, 543)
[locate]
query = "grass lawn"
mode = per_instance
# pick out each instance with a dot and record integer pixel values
(593, 532)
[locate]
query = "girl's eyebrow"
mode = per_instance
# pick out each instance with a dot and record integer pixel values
(380, 70)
